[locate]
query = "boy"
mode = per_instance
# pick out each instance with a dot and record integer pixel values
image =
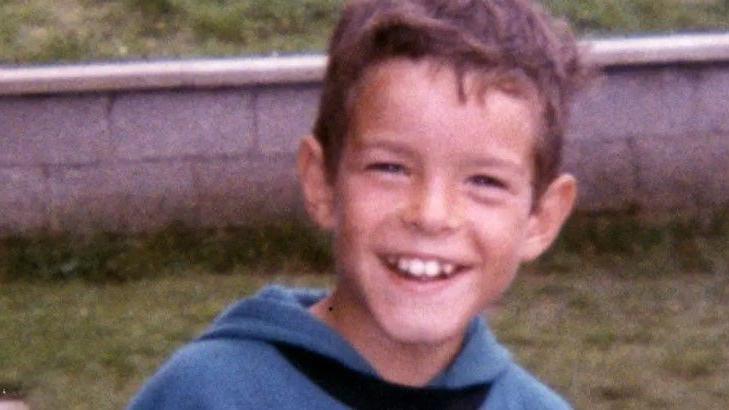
(434, 163)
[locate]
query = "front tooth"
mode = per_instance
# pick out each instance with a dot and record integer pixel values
(432, 269)
(448, 268)
(417, 267)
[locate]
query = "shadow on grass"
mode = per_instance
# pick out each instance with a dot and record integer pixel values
(634, 245)
(177, 249)
(11, 390)
(624, 244)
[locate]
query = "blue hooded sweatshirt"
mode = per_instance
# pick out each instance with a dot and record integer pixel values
(269, 352)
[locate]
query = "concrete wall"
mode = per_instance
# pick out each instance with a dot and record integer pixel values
(211, 143)
(653, 138)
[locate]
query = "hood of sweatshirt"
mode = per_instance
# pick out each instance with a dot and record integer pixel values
(280, 315)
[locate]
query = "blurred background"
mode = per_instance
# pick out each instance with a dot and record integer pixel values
(43, 31)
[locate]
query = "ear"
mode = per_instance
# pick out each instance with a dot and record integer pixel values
(318, 192)
(546, 220)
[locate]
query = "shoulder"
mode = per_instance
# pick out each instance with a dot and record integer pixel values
(517, 389)
(214, 374)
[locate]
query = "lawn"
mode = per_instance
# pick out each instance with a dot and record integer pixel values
(603, 340)
(621, 315)
(80, 346)
(43, 31)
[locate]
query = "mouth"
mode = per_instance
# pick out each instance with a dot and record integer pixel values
(422, 268)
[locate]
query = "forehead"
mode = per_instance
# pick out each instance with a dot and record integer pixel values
(466, 83)
(429, 101)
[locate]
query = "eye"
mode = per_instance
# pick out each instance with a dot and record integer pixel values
(487, 181)
(386, 167)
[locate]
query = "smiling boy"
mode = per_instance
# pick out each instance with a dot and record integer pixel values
(431, 213)
(435, 166)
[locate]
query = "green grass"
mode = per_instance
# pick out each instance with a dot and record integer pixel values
(628, 245)
(41, 31)
(176, 250)
(618, 316)
(77, 345)
(628, 343)
(603, 341)
(636, 246)
(601, 17)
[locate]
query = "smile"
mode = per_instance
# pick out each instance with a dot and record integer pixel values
(421, 269)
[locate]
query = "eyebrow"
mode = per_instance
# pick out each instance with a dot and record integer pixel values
(385, 145)
(489, 162)
(470, 161)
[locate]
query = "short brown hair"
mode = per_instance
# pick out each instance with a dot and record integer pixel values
(507, 42)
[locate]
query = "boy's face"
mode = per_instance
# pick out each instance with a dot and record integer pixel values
(432, 204)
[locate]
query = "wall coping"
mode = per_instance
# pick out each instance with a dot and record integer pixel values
(98, 77)
(659, 50)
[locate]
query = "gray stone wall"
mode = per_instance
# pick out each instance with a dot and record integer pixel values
(653, 138)
(138, 160)
(210, 148)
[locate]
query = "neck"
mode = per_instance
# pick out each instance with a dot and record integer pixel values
(409, 364)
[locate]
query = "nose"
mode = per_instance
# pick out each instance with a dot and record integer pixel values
(431, 208)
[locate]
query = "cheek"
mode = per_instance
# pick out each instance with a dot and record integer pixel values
(362, 206)
(358, 214)
(499, 233)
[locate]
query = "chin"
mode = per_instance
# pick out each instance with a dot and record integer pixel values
(419, 329)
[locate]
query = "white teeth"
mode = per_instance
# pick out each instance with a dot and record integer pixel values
(421, 268)
(432, 269)
(417, 267)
